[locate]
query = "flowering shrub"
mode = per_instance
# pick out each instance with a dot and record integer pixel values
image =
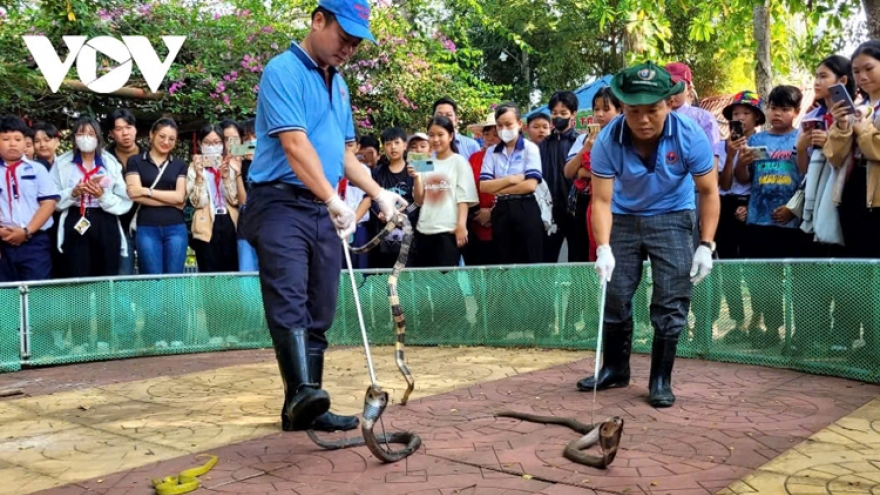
(217, 72)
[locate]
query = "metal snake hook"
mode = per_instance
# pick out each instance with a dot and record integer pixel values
(598, 346)
(360, 313)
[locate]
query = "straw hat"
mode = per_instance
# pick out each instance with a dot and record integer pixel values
(478, 127)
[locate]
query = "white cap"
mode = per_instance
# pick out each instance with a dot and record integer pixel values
(418, 135)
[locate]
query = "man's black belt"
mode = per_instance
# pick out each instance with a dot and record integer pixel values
(299, 192)
(510, 197)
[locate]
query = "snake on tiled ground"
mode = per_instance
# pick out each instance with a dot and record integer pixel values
(376, 399)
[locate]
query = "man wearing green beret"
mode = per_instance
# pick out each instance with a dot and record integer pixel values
(645, 164)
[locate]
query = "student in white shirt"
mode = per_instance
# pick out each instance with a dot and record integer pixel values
(445, 194)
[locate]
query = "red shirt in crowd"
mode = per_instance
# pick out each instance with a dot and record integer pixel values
(586, 164)
(486, 200)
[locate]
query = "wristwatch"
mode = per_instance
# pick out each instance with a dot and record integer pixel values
(710, 245)
(27, 233)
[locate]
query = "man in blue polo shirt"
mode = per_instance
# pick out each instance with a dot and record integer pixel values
(303, 123)
(446, 107)
(645, 164)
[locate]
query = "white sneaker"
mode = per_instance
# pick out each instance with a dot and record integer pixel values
(232, 340)
(216, 341)
(161, 345)
(103, 347)
(176, 344)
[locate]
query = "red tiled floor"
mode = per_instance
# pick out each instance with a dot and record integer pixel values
(728, 420)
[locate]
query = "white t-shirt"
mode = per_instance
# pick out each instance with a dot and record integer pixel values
(354, 195)
(451, 183)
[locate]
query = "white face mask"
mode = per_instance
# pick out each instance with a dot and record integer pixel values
(508, 135)
(215, 149)
(86, 144)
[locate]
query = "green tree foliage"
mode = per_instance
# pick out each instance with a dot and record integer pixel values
(217, 72)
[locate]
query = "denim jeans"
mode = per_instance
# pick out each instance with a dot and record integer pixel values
(247, 257)
(161, 250)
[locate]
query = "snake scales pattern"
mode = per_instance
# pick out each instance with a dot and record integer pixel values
(607, 434)
(376, 400)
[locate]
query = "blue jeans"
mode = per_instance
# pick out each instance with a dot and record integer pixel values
(247, 257)
(161, 250)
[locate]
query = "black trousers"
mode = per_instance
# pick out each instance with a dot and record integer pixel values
(221, 254)
(518, 231)
(95, 253)
(730, 239)
(436, 250)
(299, 259)
(579, 242)
(564, 230)
(478, 252)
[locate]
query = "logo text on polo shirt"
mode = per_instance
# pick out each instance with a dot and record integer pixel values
(131, 49)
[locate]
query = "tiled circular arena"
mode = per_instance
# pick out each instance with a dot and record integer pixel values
(752, 436)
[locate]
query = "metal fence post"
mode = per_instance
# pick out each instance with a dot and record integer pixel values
(25, 324)
(788, 303)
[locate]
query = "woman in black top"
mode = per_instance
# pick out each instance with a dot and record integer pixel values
(157, 184)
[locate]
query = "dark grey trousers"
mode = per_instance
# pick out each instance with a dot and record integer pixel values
(668, 240)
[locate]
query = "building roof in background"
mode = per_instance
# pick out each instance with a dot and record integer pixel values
(716, 104)
(585, 95)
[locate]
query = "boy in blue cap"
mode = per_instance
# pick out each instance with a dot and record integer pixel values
(303, 124)
(650, 159)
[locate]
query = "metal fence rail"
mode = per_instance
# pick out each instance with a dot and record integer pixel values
(825, 313)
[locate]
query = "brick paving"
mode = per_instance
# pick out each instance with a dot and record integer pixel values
(728, 421)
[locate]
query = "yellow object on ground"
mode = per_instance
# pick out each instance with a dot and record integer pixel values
(187, 481)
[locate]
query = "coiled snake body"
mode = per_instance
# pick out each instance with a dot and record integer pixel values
(376, 399)
(606, 434)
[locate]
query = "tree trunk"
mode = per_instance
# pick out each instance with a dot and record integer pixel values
(763, 66)
(527, 77)
(872, 13)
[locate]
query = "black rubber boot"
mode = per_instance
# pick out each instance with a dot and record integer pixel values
(615, 363)
(303, 399)
(328, 421)
(660, 383)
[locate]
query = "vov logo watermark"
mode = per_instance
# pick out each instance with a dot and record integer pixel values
(132, 49)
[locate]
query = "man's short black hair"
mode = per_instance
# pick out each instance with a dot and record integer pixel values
(249, 127)
(786, 96)
(48, 128)
(329, 16)
(393, 133)
(13, 123)
(537, 116)
(120, 113)
(567, 98)
(369, 141)
(446, 101)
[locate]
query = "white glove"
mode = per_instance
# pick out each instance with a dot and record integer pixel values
(604, 263)
(702, 264)
(342, 216)
(390, 203)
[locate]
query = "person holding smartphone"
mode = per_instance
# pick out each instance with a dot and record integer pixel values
(744, 116)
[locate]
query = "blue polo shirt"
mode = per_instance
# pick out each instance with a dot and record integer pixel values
(295, 97)
(661, 184)
(466, 146)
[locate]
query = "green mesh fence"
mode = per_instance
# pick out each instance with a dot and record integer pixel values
(818, 317)
(10, 330)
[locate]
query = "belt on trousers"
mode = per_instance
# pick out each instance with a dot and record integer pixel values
(299, 192)
(510, 197)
